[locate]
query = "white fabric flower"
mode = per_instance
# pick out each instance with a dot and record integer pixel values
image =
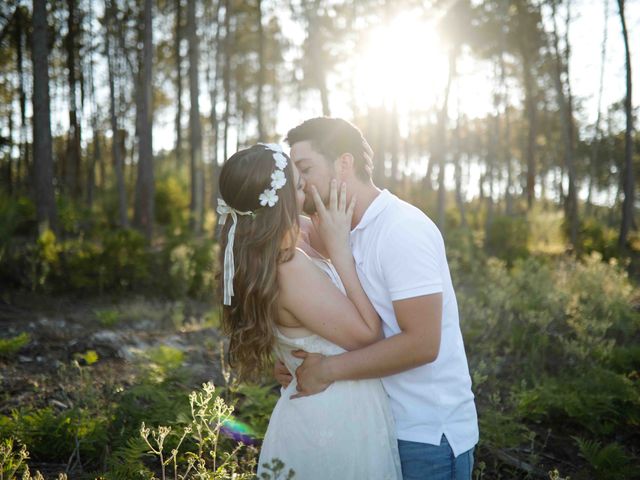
(268, 197)
(281, 160)
(278, 180)
(274, 147)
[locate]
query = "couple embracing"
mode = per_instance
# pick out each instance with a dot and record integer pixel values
(357, 305)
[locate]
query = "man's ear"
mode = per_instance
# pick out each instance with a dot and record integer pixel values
(344, 166)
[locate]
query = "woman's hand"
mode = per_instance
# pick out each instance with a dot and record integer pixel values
(334, 223)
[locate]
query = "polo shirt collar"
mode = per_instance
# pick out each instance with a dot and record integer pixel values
(379, 203)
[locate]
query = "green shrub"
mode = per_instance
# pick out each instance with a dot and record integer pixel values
(609, 462)
(507, 238)
(17, 218)
(10, 346)
(596, 236)
(172, 202)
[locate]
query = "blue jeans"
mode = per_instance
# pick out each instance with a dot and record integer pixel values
(422, 461)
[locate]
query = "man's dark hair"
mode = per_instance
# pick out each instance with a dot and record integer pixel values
(332, 137)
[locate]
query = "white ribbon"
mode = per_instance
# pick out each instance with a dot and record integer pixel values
(229, 267)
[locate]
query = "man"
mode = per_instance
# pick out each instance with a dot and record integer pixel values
(401, 263)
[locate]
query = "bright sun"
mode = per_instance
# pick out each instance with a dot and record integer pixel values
(402, 62)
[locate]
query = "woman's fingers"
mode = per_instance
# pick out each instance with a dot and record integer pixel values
(320, 208)
(333, 196)
(342, 205)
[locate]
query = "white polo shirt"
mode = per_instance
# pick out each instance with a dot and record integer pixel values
(399, 254)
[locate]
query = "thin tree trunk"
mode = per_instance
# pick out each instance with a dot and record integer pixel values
(457, 152)
(317, 64)
(145, 180)
(261, 74)
(96, 153)
(226, 76)
(116, 140)
(213, 94)
(597, 137)
(43, 156)
(74, 140)
(530, 114)
(442, 141)
(566, 112)
(628, 180)
(195, 128)
(178, 54)
(22, 95)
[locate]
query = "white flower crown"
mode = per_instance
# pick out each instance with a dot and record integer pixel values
(278, 180)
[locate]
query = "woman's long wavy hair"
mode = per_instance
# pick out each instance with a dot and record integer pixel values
(262, 241)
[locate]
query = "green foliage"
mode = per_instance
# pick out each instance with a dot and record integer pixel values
(172, 202)
(596, 400)
(107, 317)
(552, 346)
(255, 403)
(609, 462)
(10, 346)
(54, 435)
(17, 218)
(11, 461)
(507, 238)
(595, 236)
(203, 455)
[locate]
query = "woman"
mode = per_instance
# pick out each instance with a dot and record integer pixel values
(278, 299)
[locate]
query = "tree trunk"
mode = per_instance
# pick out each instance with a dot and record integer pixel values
(74, 141)
(213, 94)
(43, 156)
(566, 113)
(457, 152)
(628, 181)
(261, 74)
(442, 141)
(530, 114)
(96, 153)
(195, 128)
(178, 54)
(318, 72)
(226, 80)
(116, 140)
(145, 181)
(597, 136)
(22, 95)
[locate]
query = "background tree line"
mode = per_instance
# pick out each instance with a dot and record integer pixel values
(83, 84)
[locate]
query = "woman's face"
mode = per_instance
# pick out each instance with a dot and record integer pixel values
(300, 186)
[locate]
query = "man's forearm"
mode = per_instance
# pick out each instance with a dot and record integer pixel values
(387, 357)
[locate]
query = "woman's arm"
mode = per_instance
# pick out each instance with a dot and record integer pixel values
(308, 294)
(333, 226)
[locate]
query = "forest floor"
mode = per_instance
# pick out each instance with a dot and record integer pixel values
(109, 334)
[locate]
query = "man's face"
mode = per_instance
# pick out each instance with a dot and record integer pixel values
(315, 170)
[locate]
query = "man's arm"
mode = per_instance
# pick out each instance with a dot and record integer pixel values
(418, 343)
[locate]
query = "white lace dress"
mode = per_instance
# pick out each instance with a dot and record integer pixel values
(346, 432)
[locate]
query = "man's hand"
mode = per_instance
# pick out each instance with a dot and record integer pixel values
(283, 377)
(310, 375)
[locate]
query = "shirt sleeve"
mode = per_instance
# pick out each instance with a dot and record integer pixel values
(410, 259)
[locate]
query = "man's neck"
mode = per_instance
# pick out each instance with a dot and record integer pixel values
(365, 194)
